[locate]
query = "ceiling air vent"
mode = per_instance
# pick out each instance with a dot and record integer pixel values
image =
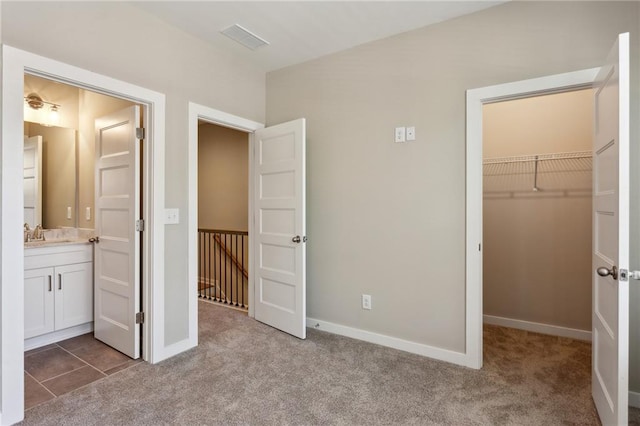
(244, 37)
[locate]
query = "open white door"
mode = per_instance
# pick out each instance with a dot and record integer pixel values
(279, 242)
(117, 207)
(33, 181)
(610, 363)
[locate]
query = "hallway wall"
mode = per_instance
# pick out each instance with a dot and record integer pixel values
(223, 178)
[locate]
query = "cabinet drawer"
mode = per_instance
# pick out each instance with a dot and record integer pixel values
(43, 257)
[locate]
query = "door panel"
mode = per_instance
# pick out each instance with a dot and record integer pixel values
(117, 191)
(280, 227)
(610, 319)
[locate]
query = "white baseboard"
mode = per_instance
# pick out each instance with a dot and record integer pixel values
(57, 336)
(634, 399)
(537, 327)
(453, 357)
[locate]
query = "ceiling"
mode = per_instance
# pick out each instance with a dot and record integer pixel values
(302, 30)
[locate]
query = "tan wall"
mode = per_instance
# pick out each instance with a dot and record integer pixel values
(58, 174)
(121, 41)
(537, 245)
(389, 219)
(223, 178)
(223, 195)
(91, 106)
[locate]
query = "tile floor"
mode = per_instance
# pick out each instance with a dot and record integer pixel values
(56, 369)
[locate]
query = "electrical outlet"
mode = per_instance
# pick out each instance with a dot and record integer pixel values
(366, 301)
(400, 134)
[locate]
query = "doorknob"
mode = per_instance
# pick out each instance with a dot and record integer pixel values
(94, 239)
(296, 239)
(604, 272)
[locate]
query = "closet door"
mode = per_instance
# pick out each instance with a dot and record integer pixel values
(610, 363)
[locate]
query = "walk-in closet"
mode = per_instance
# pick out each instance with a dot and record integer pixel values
(537, 201)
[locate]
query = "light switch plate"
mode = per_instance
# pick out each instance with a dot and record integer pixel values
(411, 133)
(171, 216)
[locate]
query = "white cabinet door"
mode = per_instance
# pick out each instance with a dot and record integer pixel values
(73, 295)
(38, 302)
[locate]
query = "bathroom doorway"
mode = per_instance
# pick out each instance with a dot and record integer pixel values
(74, 161)
(15, 64)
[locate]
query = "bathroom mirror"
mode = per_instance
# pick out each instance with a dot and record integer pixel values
(68, 150)
(57, 190)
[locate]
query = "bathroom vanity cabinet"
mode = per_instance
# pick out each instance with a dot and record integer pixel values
(58, 291)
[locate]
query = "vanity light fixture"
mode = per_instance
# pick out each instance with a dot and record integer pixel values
(36, 102)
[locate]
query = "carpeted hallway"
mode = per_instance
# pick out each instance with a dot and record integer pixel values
(244, 372)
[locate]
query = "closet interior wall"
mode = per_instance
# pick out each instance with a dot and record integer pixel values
(537, 210)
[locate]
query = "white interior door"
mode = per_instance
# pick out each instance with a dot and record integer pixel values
(33, 181)
(279, 243)
(610, 362)
(117, 194)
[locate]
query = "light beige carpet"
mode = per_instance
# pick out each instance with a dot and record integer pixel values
(244, 372)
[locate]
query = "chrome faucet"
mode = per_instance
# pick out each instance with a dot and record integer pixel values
(27, 233)
(38, 233)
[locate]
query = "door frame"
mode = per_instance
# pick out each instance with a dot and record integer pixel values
(197, 113)
(15, 64)
(476, 98)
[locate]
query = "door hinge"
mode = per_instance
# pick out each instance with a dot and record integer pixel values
(140, 318)
(140, 133)
(140, 225)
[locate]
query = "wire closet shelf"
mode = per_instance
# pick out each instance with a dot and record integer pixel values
(569, 167)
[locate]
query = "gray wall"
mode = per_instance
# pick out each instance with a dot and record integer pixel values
(537, 245)
(389, 219)
(123, 42)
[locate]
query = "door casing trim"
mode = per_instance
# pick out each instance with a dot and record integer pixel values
(476, 98)
(15, 64)
(203, 113)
